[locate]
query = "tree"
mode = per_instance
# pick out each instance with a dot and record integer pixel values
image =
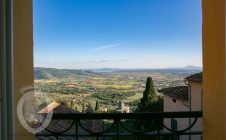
(149, 94)
(150, 103)
(83, 105)
(72, 104)
(97, 107)
(89, 108)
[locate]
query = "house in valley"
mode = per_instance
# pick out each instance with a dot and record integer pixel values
(122, 108)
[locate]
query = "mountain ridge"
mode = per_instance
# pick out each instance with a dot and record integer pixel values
(54, 73)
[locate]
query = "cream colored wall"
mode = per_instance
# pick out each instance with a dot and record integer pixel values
(214, 83)
(23, 57)
(170, 106)
(196, 105)
(196, 96)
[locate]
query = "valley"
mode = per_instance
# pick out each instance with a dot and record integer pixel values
(81, 88)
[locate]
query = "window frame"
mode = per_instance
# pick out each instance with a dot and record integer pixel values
(6, 70)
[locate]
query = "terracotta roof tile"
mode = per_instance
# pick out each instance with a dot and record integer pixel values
(180, 92)
(59, 125)
(197, 77)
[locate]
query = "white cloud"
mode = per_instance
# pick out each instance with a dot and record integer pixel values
(108, 60)
(100, 48)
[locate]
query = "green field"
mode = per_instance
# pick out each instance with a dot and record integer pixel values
(75, 87)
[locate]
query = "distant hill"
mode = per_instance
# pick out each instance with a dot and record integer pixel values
(190, 67)
(180, 70)
(52, 73)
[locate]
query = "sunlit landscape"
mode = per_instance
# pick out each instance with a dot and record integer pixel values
(106, 86)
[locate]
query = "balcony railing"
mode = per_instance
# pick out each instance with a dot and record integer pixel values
(120, 126)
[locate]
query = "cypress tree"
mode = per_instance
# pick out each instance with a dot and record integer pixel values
(83, 105)
(150, 103)
(149, 94)
(97, 108)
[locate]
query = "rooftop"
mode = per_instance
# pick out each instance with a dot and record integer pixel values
(61, 125)
(180, 92)
(197, 77)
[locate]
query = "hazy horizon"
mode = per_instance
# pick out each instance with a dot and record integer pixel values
(189, 67)
(126, 34)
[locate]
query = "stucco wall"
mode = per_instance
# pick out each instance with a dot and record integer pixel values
(196, 96)
(170, 106)
(23, 57)
(196, 105)
(214, 99)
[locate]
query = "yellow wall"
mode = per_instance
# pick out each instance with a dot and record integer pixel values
(214, 98)
(23, 57)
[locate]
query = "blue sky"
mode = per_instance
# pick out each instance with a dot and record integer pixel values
(81, 34)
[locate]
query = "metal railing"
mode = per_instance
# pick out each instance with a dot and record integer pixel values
(120, 126)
